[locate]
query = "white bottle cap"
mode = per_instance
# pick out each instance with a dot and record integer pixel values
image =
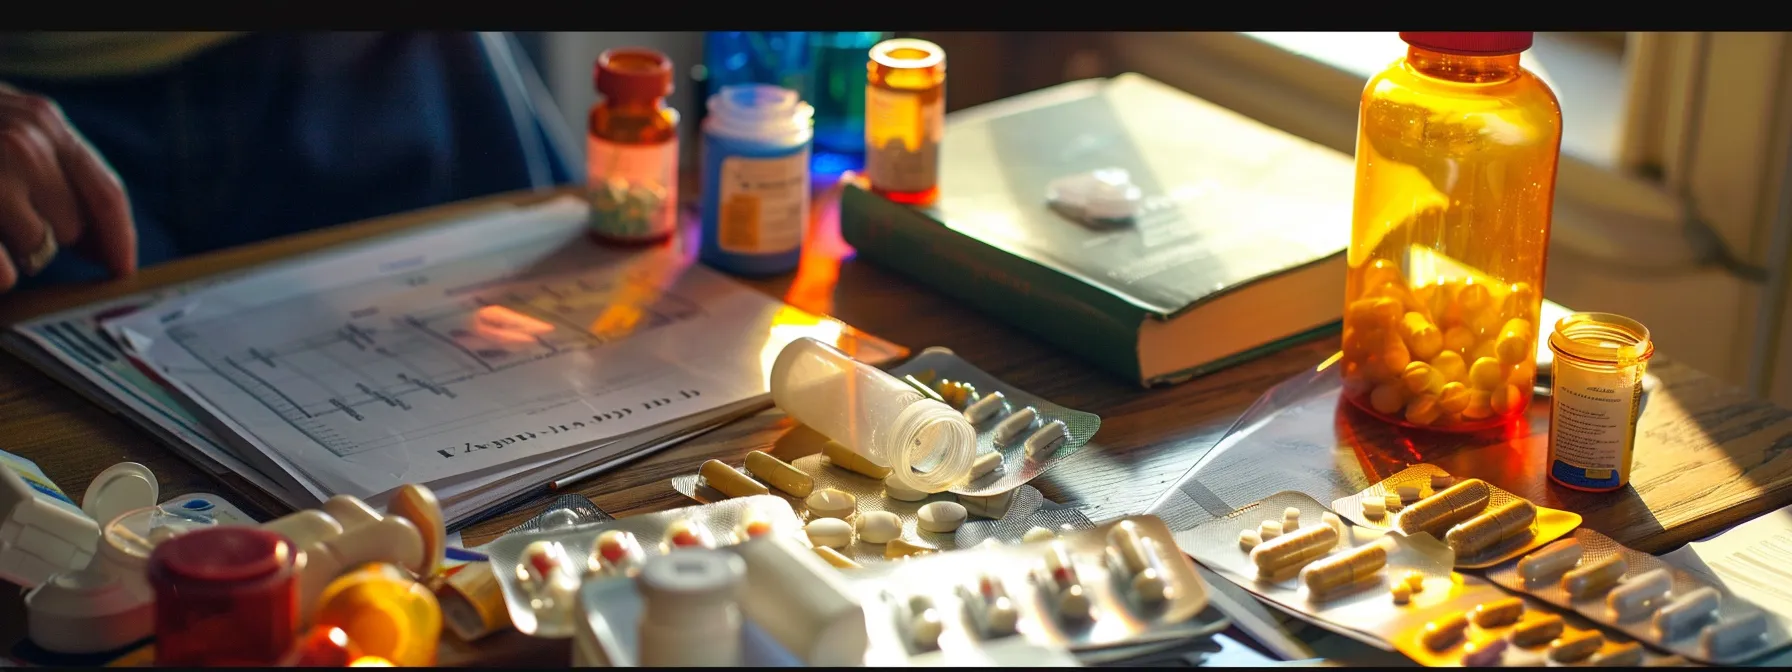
(122, 487)
(689, 615)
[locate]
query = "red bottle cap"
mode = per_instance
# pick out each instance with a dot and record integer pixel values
(1470, 43)
(633, 73)
(224, 595)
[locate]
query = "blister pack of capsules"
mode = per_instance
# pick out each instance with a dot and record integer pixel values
(1382, 588)
(873, 523)
(1029, 433)
(540, 571)
(1645, 597)
(1482, 524)
(1120, 583)
(1501, 630)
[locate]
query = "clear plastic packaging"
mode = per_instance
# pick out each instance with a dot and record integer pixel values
(928, 445)
(1425, 480)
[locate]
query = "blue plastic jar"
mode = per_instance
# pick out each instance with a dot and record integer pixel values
(756, 142)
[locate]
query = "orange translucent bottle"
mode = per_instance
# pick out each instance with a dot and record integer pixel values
(905, 118)
(1455, 175)
(631, 149)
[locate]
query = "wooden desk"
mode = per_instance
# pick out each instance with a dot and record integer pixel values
(1147, 441)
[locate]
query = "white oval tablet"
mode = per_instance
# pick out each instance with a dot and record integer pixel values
(940, 516)
(900, 492)
(829, 532)
(830, 503)
(986, 463)
(878, 527)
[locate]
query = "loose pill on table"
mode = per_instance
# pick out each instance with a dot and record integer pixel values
(985, 464)
(1414, 580)
(1594, 577)
(1538, 630)
(1247, 539)
(1374, 508)
(834, 558)
(1498, 613)
(894, 489)
(1015, 426)
(878, 527)
(1344, 569)
(845, 458)
(1635, 595)
(1293, 550)
(940, 516)
(830, 503)
(616, 551)
(1733, 636)
(1628, 654)
(1558, 557)
(1400, 592)
(780, 474)
(829, 532)
(1444, 632)
(1574, 647)
(1408, 493)
(1442, 509)
(1290, 519)
(1691, 608)
(986, 407)
(1269, 529)
(902, 548)
(726, 480)
(1047, 437)
(1484, 653)
(1489, 529)
(1045, 534)
(683, 533)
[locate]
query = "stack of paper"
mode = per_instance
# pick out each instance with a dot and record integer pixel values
(481, 358)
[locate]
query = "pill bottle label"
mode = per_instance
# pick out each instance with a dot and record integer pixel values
(633, 188)
(1592, 425)
(764, 204)
(39, 482)
(902, 139)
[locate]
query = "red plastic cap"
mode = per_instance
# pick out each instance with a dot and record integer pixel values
(1471, 43)
(633, 73)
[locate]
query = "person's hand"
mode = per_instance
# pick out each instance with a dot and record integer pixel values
(55, 192)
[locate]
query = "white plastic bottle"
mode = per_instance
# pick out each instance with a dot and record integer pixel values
(927, 445)
(690, 616)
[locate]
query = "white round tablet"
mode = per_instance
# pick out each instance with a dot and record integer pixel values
(940, 516)
(830, 503)
(878, 527)
(899, 492)
(829, 532)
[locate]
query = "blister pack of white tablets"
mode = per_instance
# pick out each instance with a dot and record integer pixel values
(867, 520)
(1122, 582)
(540, 570)
(1019, 435)
(1293, 551)
(1649, 599)
(1482, 524)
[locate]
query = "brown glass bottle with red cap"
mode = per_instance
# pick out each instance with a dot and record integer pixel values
(1455, 176)
(631, 149)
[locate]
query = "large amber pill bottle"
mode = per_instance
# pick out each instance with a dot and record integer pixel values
(1455, 173)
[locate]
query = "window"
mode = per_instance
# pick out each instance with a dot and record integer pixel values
(1669, 193)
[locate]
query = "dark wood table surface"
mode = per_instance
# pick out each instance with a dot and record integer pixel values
(1716, 456)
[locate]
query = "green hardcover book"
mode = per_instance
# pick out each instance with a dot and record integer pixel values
(1237, 249)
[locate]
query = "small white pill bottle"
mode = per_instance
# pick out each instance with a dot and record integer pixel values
(927, 445)
(690, 615)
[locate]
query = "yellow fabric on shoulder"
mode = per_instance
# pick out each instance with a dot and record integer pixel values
(83, 55)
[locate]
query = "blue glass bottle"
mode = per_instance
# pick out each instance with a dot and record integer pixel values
(779, 58)
(838, 94)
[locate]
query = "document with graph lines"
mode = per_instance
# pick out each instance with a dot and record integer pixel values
(469, 353)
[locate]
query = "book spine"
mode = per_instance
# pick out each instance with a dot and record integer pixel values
(1055, 308)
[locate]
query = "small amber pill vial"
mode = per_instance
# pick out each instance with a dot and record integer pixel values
(1596, 394)
(905, 119)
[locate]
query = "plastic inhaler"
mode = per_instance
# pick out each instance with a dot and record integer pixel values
(927, 445)
(755, 179)
(225, 596)
(383, 613)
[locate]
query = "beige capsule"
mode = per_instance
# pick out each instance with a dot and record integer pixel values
(1595, 576)
(1444, 632)
(1344, 569)
(1498, 613)
(1442, 509)
(726, 480)
(847, 459)
(1490, 528)
(780, 474)
(1538, 630)
(1294, 549)
(1575, 646)
(1628, 654)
